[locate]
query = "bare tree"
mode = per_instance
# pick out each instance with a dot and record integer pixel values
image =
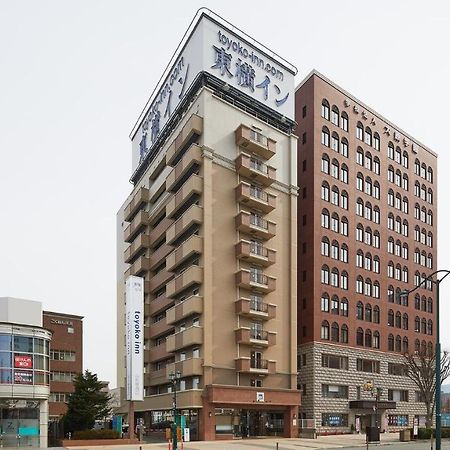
(421, 370)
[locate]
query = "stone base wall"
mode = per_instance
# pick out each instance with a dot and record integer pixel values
(313, 375)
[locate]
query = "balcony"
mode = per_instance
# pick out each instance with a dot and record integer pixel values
(255, 142)
(157, 305)
(255, 280)
(186, 338)
(260, 338)
(255, 310)
(156, 329)
(159, 230)
(136, 226)
(249, 365)
(189, 399)
(140, 243)
(157, 353)
(158, 256)
(159, 280)
(191, 159)
(188, 134)
(139, 267)
(193, 245)
(138, 199)
(254, 169)
(254, 252)
(191, 276)
(155, 377)
(188, 367)
(255, 197)
(194, 215)
(193, 186)
(192, 305)
(255, 225)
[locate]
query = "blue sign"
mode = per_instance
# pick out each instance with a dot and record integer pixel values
(28, 431)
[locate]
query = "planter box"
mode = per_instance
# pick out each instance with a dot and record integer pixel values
(92, 442)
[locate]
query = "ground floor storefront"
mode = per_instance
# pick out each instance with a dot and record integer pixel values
(228, 412)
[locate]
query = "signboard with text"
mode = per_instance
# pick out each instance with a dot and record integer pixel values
(230, 56)
(23, 361)
(134, 311)
(23, 377)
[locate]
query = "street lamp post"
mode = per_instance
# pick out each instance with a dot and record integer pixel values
(437, 371)
(174, 377)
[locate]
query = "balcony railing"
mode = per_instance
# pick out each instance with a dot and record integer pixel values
(259, 363)
(255, 141)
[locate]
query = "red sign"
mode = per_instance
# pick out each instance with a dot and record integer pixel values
(23, 361)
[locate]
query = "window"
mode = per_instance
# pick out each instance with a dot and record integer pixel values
(62, 355)
(360, 311)
(344, 121)
(397, 369)
(391, 150)
(376, 314)
(405, 160)
(325, 219)
(325, 109)
(344, 200)
(359, 336)
(334, 391)
(325, 166)
(367, 365)
(344, 308)
(335, 115)
(344, 334)
(359, 181)
(344, 147)
(368, 136)
(335, 332)
(334, 361)
(344, 280)
(325, 191)
(344, 253)
(344, 226)
(398, 395)
(360, 156)
(335, 142)
(344, 174)
(325, 330)
(376, 141)
(376, 165)
(325, 247)
(335, 223)
(334, 420)
(360, 131)
(325, 136)
(325, 303)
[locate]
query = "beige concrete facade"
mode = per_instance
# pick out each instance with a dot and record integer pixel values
(212, 227)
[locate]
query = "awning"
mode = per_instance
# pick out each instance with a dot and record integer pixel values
(372, 404)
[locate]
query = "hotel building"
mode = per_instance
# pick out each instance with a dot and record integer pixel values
(367, 230)
(211, 227)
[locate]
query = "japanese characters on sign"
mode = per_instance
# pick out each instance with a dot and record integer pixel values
(23, 361)
(212, 48)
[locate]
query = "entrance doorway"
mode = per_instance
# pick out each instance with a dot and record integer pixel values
(257, 423)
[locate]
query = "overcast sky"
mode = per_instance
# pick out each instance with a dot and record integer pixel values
(74, 76)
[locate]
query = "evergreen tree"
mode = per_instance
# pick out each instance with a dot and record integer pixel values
(86, 404)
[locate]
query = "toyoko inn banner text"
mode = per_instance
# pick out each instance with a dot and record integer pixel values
(134, 314)
(230, 56)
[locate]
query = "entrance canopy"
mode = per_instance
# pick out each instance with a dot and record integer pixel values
(372, 404)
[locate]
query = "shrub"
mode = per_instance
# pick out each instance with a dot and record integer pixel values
(425, 433)
(96, 434)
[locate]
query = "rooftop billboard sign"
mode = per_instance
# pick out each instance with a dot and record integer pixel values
(214, 46)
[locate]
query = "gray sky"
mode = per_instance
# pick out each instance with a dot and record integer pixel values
(74, 76)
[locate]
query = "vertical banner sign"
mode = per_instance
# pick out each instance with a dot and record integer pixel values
(134, 311)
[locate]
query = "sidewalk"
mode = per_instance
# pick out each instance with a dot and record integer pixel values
(322, 442)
